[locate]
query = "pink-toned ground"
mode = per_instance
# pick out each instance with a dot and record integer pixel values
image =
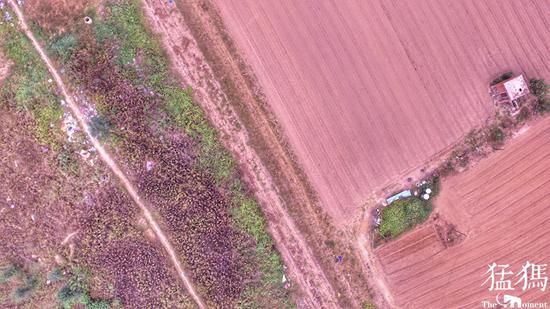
(367, 91)
(501, 211)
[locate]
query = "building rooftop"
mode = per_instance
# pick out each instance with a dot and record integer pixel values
(516, 87)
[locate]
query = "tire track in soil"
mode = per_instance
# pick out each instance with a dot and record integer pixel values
(106, 158)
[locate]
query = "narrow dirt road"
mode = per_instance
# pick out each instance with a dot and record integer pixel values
(107, 159)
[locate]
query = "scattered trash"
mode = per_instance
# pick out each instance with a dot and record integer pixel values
(149, 165)
(84, 154)
(12, 206)
(284, 279)
(20, 2)
(426, 196)
(7, 16)
(50, 80)
(70, 126)
(33, 218)
(429, 191)
(88, 20)
(339, 259)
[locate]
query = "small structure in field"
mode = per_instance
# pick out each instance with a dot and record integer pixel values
(508, 91)
(400, 195)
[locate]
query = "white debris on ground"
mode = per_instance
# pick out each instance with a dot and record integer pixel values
(69, 125)
(88, 109)
(87, 155)
(7, 16)
(149, 165)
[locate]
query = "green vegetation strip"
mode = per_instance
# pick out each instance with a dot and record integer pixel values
(126, 24)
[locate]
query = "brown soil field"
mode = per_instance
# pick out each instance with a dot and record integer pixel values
(500, 211)
(368, 91)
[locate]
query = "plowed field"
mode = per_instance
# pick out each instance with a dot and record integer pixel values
(501, 206)
(369, 90)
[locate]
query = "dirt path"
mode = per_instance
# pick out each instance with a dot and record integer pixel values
(364, 247)
(189, 62)
(107, 159)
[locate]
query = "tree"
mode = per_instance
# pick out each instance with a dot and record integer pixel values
(538, 88)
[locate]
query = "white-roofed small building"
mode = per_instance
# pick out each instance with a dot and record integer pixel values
(509, 91)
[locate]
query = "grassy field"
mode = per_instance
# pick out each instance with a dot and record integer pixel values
(205, 202)
(109, 263)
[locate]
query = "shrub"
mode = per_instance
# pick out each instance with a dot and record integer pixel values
(25, 291)
(9, 272)
(542, 106)
(368, 305)
(446, 168)
(496, 135)
(67, 162)
(99, 127)
(524, 114)
(55, 275)
(538, 88)
(70, 296)
(76, 292)
(63, 46)
(506, 122)
(474, 139)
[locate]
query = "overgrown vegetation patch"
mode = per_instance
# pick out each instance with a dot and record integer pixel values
(175, 156)
(27, 87)
(405, 213)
